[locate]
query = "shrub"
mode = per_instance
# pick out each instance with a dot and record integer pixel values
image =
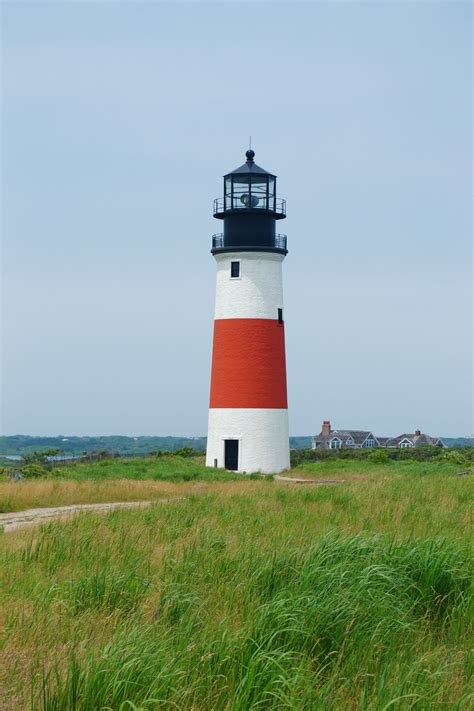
(458, 455)
(378, 456)
(43, 458)
(417, 454)
(186, 452)
(34, 471)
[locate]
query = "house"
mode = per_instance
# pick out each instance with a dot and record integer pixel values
(343, 439)
(362, 439)
(417, 439)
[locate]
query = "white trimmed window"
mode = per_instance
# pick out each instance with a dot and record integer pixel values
(335, 443)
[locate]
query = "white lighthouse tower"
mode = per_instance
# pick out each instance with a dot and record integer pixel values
(248, 415)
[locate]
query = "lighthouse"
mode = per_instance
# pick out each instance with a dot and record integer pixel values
(248, 409)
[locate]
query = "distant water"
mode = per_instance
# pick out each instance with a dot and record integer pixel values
(17, 457)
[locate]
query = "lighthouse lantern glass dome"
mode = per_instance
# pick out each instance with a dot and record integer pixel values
(249, 191)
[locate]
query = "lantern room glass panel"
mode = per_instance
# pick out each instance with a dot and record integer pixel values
(228, 193)
(259, 191)
(271, 193)
(240, 192)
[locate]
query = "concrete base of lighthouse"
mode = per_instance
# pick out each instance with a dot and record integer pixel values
(262, 435)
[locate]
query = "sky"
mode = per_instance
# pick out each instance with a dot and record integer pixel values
(119, 120)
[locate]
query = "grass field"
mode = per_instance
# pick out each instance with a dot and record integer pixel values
(110, 480)
(246, 594)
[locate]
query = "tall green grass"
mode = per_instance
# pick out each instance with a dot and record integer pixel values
(165, 468)
(275, 599)
(353, 622)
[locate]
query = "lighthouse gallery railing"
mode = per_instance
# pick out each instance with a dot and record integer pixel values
(227, 204)
(279, 242)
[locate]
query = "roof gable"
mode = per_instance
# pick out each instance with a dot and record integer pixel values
(404, 440)
(358, 436)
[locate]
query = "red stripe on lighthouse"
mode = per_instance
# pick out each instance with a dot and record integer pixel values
(248, 364)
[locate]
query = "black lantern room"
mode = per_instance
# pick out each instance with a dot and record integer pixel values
(249, 209)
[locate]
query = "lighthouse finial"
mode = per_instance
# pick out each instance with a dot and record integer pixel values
(250, 155)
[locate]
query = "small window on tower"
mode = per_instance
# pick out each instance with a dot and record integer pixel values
(280, 315)
(234, 270)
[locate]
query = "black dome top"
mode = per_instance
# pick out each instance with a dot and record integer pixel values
(250, 167)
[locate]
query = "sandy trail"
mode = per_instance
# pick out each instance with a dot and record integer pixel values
(31, 517)
(295, 480)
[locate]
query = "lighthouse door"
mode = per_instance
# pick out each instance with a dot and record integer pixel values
(231, 454)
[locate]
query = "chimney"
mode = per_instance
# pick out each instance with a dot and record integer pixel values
(417, 433)
(326, 431)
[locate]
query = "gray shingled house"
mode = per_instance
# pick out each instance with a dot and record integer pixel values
(413, 440)
(347, 439)
(357, 439)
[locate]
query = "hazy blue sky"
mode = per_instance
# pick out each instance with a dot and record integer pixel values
(120, 119)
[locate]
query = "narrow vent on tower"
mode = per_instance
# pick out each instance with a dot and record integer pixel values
(280, 315)
(235, 270)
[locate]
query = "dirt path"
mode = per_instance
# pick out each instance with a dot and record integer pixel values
(294, 480)
(31, 517)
